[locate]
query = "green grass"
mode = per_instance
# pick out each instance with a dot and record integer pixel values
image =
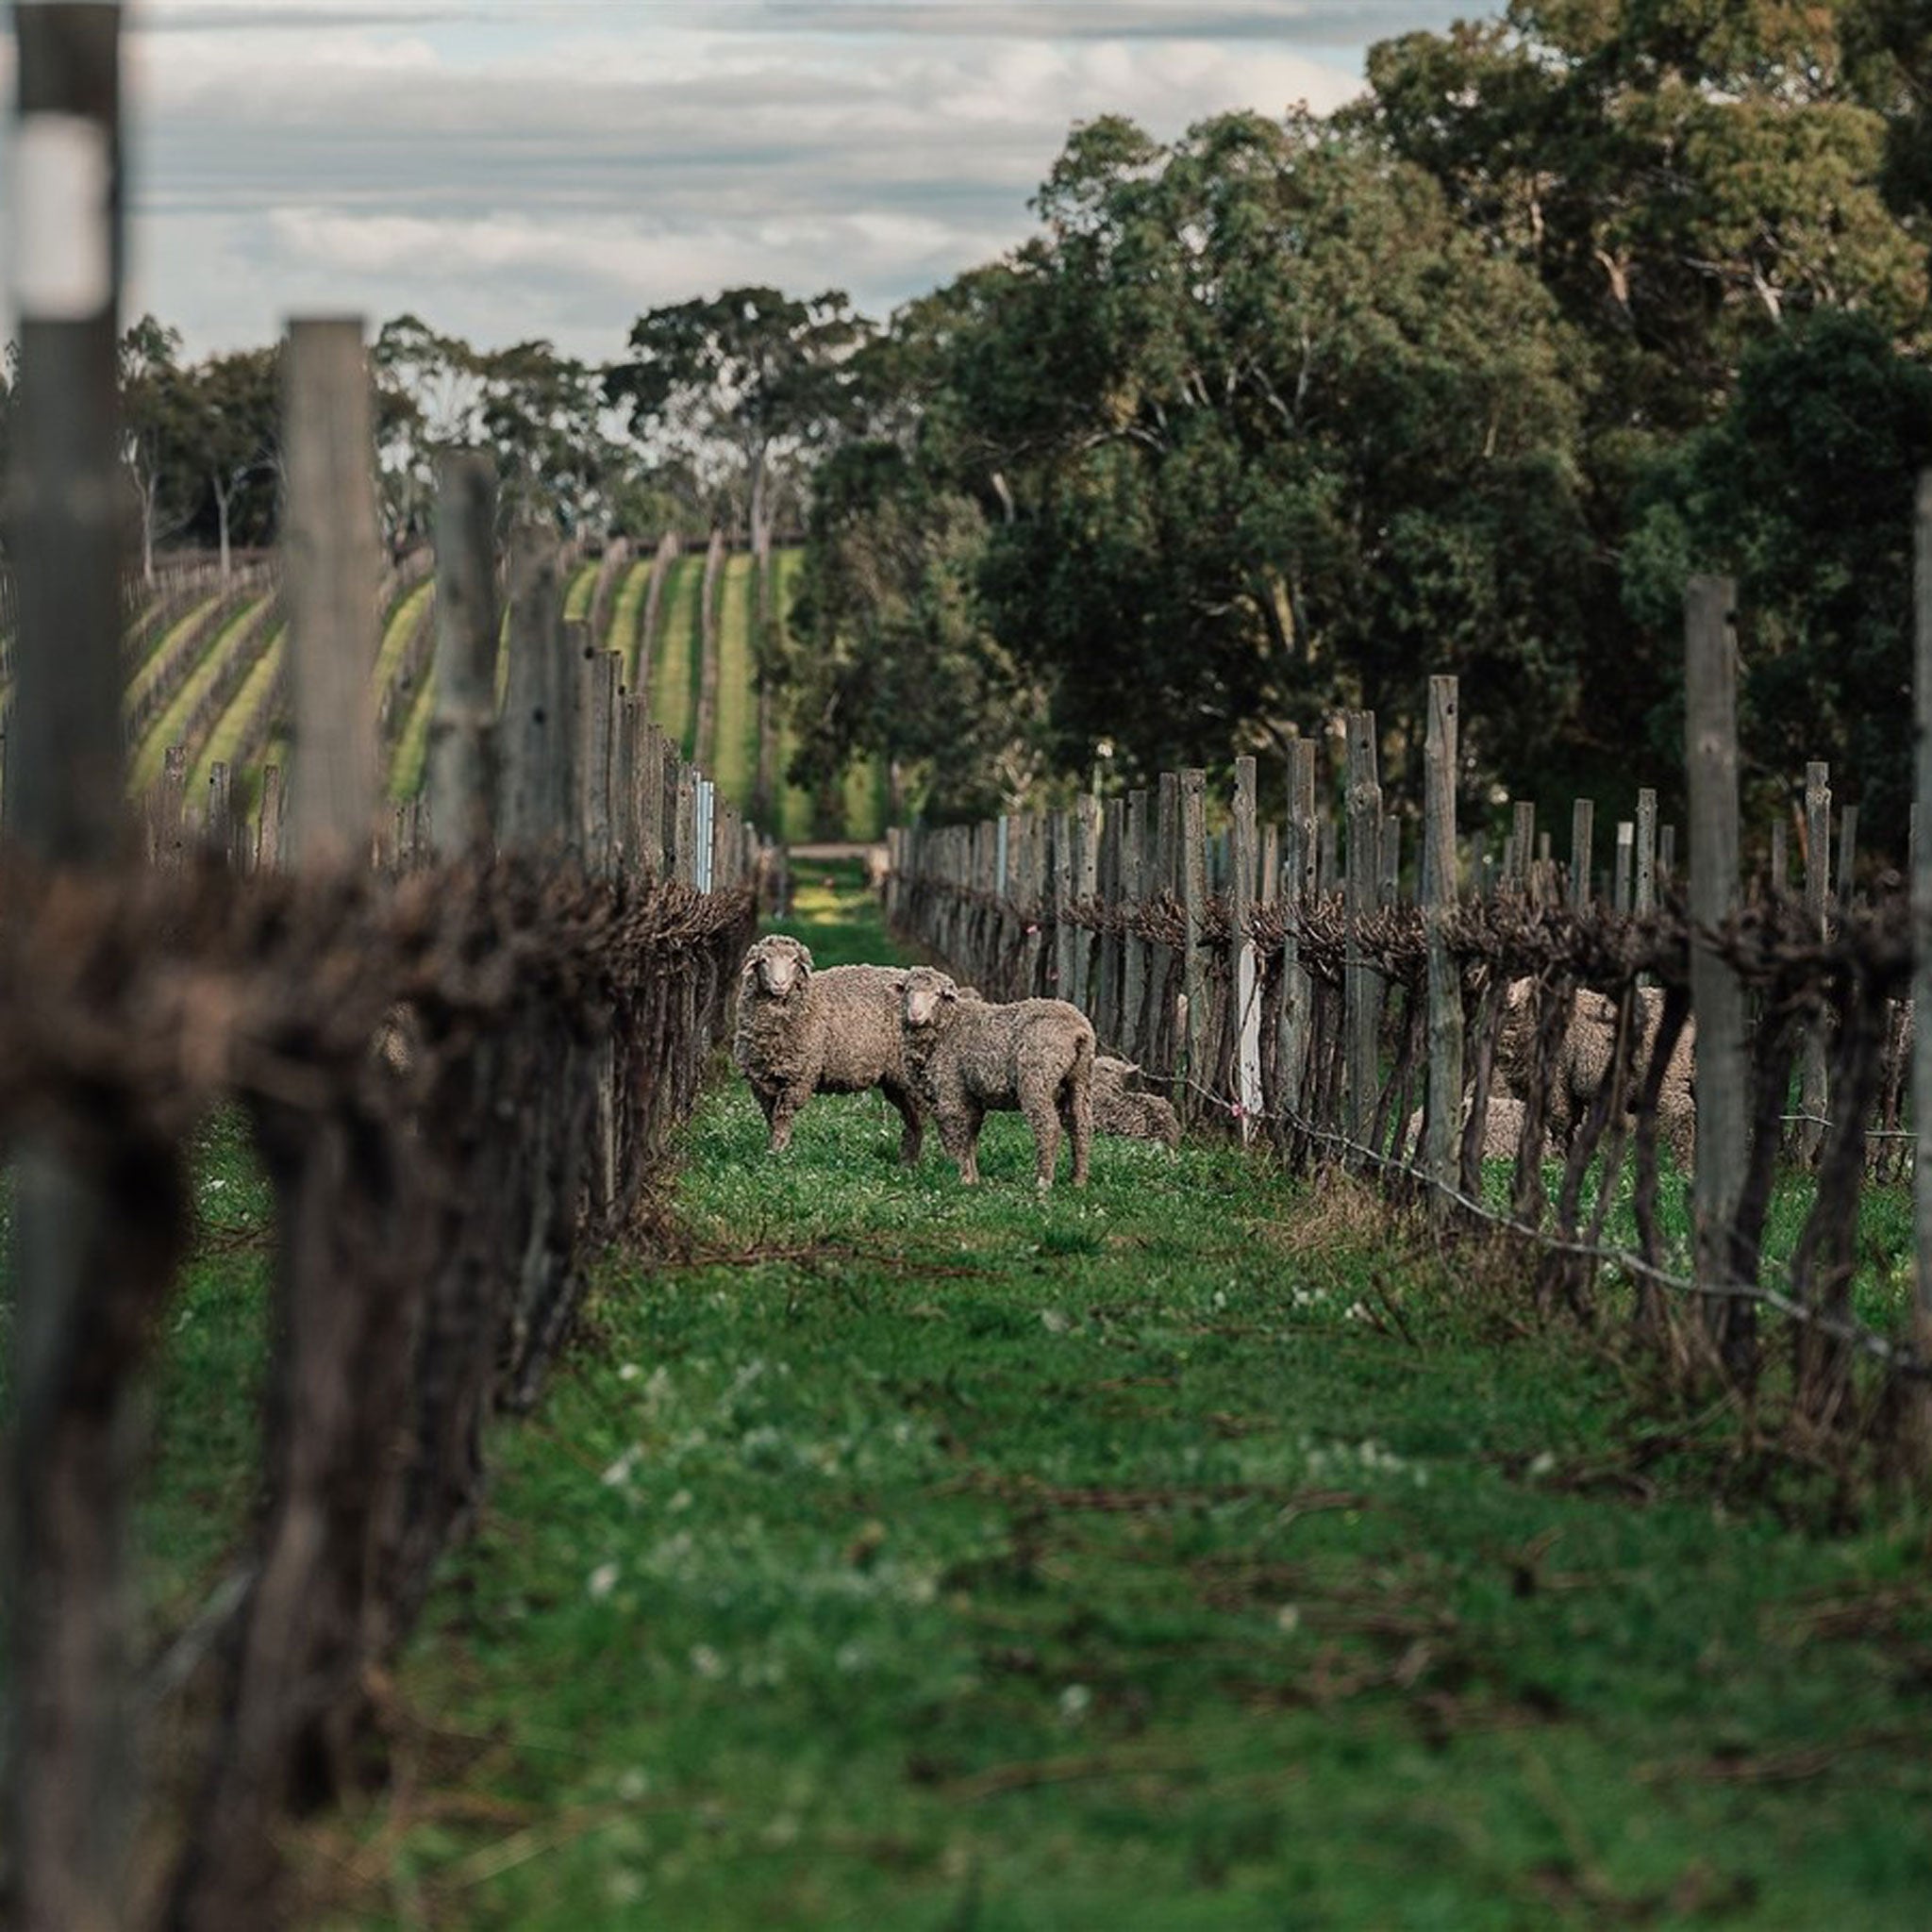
(403, 618)
(158, 646)
(153, 751)
(675, 660)
(576, 599)
(232, 726)
(627, 618)
(412, 742)
(1176, 1555)
(735, 753)
(155, 664)
(795, 801)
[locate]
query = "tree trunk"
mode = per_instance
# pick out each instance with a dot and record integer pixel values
(222, 517)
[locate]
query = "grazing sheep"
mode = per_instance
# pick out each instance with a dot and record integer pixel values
(802, 1032)
(1122, 1108)
(1584, 1063)
(1502, 1126)
(965, 1058)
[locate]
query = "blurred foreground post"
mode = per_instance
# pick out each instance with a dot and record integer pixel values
(1922, 922)
(94, 1239)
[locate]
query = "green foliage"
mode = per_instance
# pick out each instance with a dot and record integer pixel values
(1803, 489)
(750, 373)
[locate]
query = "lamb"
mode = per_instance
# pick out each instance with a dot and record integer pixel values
(965, 1058)
(1584, 1063)
(1123, 1109)
(802, 1032)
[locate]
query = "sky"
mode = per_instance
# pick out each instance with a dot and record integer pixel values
(515, 170)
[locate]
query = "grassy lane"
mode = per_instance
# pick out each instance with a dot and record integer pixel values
(1174, 1556)
(153, 750)
(674, 664)
(397, 632)
(412, 742)
(159, 661)
(795, 801)
(627, 618)
(231, 727)
(576, 599)
(734, 761)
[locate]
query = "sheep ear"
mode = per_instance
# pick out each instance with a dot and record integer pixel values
(949, 992)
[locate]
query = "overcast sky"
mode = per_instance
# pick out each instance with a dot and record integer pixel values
(516, 169)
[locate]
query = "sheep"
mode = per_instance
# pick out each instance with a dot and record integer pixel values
(802, 1032)
(965, 1058)
(1583, 1063)
(1123, 1109)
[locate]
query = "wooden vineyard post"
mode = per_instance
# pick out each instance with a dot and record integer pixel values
(1717, 996)
(1582, 838)
(1843, 872)
(329, 570)
(1060, 873)
(1646, 851)
(1781, 860)
(1086, 888)
(539, 804)
(268, 825)
(1106, 997)
(1301, 856)
(1133, 894)
(1361, 985)
(1621, 877)
(1813, 1092)
(1441, 1156)
(1523, 845)
(462, 727)
(1194, 883)
(1247, 959)
(1922, 920)
(598, 672)
(90, 1264)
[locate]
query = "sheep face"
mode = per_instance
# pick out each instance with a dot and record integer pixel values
(928, 995)
(779, 965)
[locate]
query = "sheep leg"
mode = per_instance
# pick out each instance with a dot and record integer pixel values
(1040, 1103)
(960, 1137)
(784, 1109)
(912, 1136)
(1077, 1103)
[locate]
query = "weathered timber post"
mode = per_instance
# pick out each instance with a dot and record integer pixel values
(1717, 997)
(1085, 874)
(1582, 839)
(1134, 951)
(1922, 918)
(1646, 850)
(1192, 860)
(1113, 945)
(1780, 859)
(462, 726)
(1623, 875)
(90, 1261)
(1845, 872)
(1443, 1154)
(1813, 1084)
(1363, 985)
(1302, 857)
(1523, 845)
(268, 822)
(1248, 961)
(598, 674)
(538, 805)
(329, 570)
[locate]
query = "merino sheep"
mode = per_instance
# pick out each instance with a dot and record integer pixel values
(1121, 1108)
(802, 1032)
(1584, 1063)
(965, 1058)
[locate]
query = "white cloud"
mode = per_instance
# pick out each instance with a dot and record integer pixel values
(509, 170)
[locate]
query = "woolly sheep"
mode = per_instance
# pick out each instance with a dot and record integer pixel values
(1584, 1062)
(1123, 1109)
(965, 1058)
(802, 1032)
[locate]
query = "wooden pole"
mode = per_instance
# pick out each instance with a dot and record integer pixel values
(1247, 959)
(462, 726)
(329, 576)
(1813, 1084)
(1194, 883)
(1621, 877)
(88, 1263)
(1922, 920)
(1362, 986)
(538, 805)
(1717, 996)
(1302, 856)
(1646, 850)
(1442, 1155)
(1582, 838)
